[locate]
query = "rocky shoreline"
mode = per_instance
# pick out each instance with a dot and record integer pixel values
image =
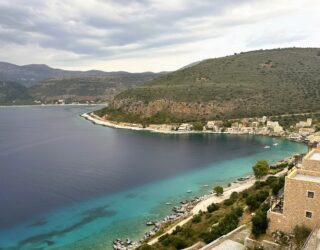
(182, 214)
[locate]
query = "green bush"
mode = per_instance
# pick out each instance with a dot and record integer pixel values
(255, 200)
(259, 223)
(228, 223)
(301, 233)
(198, 126)
(213, 207)
(146, 247)
(196, 218)
(233, 198)
(276, 186)
(260, 169)
(218, 190)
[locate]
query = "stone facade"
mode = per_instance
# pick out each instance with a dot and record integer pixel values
(301, 203)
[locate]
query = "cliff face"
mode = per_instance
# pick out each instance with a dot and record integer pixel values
(195, 110)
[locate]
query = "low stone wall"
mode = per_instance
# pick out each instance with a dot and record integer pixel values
(196, 246)
(265, 244)
(223, 238)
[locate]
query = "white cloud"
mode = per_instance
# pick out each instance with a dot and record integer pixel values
(140, 35)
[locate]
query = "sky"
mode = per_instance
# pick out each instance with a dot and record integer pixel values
(149, 35)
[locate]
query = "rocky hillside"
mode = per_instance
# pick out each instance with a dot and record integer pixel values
(264, 82)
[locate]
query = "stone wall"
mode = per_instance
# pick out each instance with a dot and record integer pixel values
(296, 204)
(265, 244)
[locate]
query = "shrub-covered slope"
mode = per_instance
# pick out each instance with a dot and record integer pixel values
(264, 82)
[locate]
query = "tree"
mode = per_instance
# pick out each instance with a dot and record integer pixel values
(197, 126)
(260, 169)
(259, 223)
(213, 207)
(218, 190)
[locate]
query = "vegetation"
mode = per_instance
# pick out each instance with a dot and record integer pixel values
(198, 126)
(227, 224)
(23, 84)
(13, 93)
(95, 87)
(260, 169)
(260, 221)
(249, 84)
(218, 190)
(220, 219)
(301, 233)
(254, 201)
(213, 207)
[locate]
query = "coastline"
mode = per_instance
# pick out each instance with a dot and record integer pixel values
(98, 121)
(188, 208)
(51, 105)
(207, 200)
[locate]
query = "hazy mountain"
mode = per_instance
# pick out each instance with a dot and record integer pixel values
(32, 74)
(44, 83)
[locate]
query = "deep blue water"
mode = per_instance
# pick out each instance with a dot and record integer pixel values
(67, 183)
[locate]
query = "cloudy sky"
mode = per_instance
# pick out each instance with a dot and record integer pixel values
(149, 35)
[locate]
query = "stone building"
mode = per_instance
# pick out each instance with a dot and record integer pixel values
(300, 202)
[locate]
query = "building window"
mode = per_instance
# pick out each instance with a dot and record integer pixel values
(310, 194)
(308, 214)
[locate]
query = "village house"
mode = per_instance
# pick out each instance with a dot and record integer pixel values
(275, 126)
(304, 124)
(299, 204)
(306, 131)
(215, 126)
(314, 138)
(262, 119)
(185, 127)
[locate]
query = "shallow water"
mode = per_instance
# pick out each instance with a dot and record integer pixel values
(67, 183)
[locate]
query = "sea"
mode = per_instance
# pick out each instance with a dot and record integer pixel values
(66, 183)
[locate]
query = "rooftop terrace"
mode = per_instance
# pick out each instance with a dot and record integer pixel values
(315, 156)
(305, 177)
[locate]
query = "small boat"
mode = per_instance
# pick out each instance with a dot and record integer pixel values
(206, 185)
(267, 146)
(275, 144)
(150, 223)
(189, 191)
(168, 203)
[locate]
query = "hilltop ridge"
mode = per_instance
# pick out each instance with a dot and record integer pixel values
(256, 83)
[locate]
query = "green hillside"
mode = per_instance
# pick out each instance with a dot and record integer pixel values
(13, 93)
(264, 82)
(88, 88)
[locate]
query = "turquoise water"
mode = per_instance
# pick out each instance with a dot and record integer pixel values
(92, 223)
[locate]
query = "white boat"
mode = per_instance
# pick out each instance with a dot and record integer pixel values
(168, 203)
(267, 146)
(189, 191)
(275, 144)
(206, 185)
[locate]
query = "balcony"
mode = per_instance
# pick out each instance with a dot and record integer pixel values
(276, 202)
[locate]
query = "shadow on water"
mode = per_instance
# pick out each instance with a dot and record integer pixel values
(46, 239)
(38, 223)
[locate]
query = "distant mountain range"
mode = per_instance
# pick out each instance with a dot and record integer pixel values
(263, 82)
(24, 84)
